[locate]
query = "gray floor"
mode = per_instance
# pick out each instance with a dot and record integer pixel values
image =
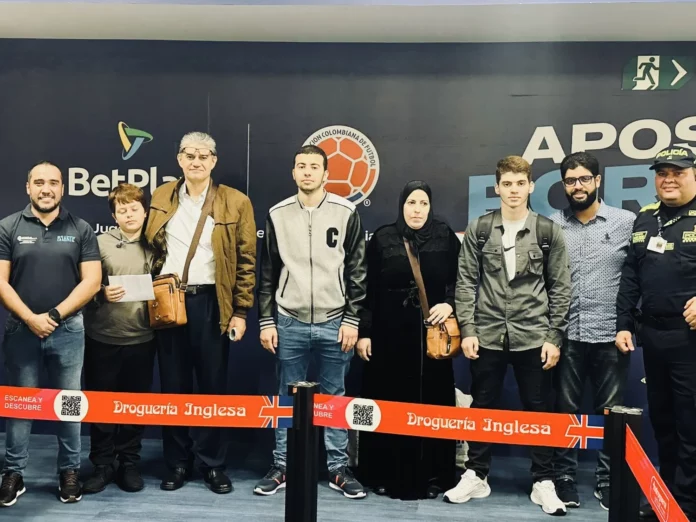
(509, 500)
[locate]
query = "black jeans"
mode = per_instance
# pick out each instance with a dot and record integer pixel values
(117, 368)
(195, 348)
(534, 383)
(607, 369)
(670, 373)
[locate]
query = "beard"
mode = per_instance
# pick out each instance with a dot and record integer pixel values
(46, 209)
(582, 205)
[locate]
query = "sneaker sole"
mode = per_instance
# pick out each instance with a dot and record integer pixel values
(14, 501)
(259, 491)
(557, 513)
(572, 504)
(362, 494)
(483, 494)
(70, 500)
(596, 495)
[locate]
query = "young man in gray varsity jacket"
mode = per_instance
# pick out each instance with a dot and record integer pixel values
(312, 287)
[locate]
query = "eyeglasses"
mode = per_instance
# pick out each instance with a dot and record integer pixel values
(203, 154)
(584, 180)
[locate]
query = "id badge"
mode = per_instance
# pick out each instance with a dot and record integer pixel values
(657, 244)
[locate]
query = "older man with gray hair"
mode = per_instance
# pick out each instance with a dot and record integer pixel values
(219, 292)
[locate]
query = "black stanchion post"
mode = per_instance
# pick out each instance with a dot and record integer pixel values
(624, 502)
(615, 446)
(634, 420)
(302, 458)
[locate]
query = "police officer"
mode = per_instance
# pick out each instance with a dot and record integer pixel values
(660, 269)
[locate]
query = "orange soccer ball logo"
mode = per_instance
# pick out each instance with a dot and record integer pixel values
(353, 162)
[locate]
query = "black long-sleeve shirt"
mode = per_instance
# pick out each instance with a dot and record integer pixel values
(664, 282)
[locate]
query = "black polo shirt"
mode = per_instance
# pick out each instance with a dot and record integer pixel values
(46, 259)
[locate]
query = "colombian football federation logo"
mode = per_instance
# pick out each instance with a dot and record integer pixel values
(353, 161)
(131, 139)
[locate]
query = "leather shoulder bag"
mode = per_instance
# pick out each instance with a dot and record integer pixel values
(443, 341)
(168, 309)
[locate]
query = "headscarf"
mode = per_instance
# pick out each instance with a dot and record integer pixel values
(417, 238)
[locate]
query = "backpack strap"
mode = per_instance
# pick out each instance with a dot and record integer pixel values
(484, 227)
(544, 232)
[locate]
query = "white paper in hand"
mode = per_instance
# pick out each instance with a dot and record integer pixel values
(137, 287)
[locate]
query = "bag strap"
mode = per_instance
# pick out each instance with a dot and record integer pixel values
(415, 267)
(484, 227)
(205, 212)
(544, 232)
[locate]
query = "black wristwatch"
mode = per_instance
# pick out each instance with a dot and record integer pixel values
(54, 315)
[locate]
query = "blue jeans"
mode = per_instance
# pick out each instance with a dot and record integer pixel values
(296, 342)
(607, 369)
(25, 354)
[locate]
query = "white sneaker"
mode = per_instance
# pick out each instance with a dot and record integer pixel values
(470, 486)
(544, 495)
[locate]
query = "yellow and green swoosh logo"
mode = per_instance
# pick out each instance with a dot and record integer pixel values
(131, 139)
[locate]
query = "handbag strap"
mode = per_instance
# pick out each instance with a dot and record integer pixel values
(415, 267)
(205, 211)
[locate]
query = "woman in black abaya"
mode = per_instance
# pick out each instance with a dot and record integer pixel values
(392, 342)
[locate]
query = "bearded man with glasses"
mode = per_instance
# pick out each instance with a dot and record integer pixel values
(219, 292)
(597, 236)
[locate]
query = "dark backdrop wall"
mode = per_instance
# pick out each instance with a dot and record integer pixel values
(443, 113)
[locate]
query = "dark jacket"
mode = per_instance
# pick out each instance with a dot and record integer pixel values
(532, 308)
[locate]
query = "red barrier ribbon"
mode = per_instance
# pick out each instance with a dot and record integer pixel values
(252, 411)
(662, 501)
(232, 411)
(471, 424)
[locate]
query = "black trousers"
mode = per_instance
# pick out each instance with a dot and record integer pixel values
(607, 370)
(199, 349)
(670, 372)
(488, 374)
(117, 368)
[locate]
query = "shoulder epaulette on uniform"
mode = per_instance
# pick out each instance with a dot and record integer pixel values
(651, 206)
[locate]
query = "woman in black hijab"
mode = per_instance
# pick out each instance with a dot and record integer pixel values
(392, 342)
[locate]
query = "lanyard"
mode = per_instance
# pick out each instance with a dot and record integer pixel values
(661, 227)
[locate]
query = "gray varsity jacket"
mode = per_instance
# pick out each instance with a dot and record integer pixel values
(313, 263)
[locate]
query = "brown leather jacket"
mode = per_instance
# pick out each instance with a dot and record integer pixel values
(234, 244)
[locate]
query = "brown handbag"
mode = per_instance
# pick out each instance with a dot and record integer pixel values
(168, 309)
(443, 341)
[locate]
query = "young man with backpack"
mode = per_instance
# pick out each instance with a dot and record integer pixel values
(512, 299)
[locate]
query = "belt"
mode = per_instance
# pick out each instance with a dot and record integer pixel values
(675, 322)
(198, 289)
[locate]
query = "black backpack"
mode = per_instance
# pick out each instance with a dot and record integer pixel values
(544, 232)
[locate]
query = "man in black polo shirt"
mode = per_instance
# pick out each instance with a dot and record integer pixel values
(50, 268)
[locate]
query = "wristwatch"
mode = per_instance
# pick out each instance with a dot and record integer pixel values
(54, 314)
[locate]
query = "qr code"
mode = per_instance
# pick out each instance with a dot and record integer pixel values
(70, 406)
(363, 414)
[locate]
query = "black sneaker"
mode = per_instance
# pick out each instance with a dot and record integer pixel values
(343, 480)
(12, 487)
(602, 494)
(128, 478)
(69, 488)
(567, 493)
(272, 482)
(102, 476)
(647, 513)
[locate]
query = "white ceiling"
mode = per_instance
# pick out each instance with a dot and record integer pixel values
(311, 23)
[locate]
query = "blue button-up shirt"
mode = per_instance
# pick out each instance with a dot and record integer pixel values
(597, 250)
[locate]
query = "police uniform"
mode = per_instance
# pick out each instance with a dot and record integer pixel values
(660, 270)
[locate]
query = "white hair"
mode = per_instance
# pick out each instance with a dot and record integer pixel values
(198, 138)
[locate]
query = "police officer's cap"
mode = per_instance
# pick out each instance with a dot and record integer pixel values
(675, 156)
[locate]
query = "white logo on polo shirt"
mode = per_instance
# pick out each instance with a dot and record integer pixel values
(26, 240)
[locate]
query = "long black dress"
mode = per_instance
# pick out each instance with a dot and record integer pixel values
(399, 369)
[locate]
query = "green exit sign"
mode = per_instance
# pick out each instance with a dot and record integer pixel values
(657, 73)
